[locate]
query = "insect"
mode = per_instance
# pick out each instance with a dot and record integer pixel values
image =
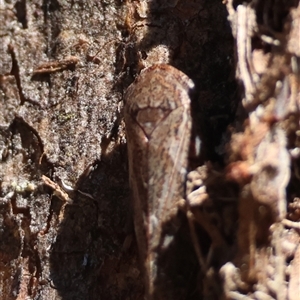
(158, 127)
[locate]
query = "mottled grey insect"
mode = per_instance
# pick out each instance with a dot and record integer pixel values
(158, 128)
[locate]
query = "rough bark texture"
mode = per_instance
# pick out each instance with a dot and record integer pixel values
(65, 210)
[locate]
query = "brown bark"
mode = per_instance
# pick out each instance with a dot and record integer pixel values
(66, 221)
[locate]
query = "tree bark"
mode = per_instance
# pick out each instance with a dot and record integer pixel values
(65, 205)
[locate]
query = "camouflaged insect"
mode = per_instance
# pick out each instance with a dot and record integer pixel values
(158, 128)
